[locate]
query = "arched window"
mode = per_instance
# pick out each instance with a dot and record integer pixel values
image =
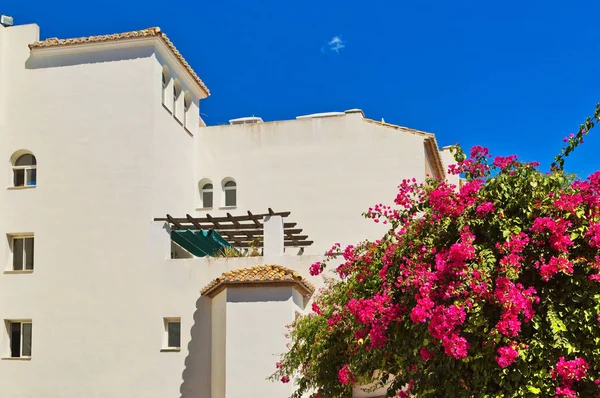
(176, 91)
(187, 103)
(177, 105)
(25, 170)
(207, 195)
(166, 79)
(229, 189)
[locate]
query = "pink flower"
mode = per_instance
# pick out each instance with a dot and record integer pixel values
(278, 364)
(514, 300)
(564, 391)
(554, 266)
(570, 371)
(507, 356)
(557, 232)
(285, 379)
(426, 354)
(479, 151)
(316, 308)
(345, 375)
(503, 162)
(485, 208)
(316, 268)
(594, 235)
(455, 346)
(568, 202)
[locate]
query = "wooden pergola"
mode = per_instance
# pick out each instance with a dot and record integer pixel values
(240, 231)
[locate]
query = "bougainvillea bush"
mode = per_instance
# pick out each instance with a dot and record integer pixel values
(490, 289)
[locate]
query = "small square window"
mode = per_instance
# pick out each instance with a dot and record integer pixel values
(22, 248)
(20, 338)
(172, 333)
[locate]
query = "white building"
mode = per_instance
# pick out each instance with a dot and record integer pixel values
(100, 136)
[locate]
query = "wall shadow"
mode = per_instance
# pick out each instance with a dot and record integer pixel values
(196, 373)
(50, 61)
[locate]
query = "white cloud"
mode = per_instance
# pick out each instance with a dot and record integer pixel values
(336, 44)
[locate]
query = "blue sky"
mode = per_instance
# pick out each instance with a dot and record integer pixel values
(515, 76)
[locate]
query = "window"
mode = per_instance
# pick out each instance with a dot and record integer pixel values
(166, 80)
(22, 253)
(207, 195)
(25, 171)
(20, 338)
(229, 188)
(177, 103)
(187, 103)
(172, 333)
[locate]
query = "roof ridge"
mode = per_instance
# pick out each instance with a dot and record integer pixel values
(258, 274)
(398, 127)
(135, 34)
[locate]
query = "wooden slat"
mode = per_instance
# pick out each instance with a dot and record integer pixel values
(253, 232)
(254, 218)
(286, 244)
(246, 240)
(238, 233)
(297, 237)
(214, 221)
(186, 225)
(191, 219)
(173, 221)
(249, 217)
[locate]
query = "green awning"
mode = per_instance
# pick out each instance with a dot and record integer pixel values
(199, 243)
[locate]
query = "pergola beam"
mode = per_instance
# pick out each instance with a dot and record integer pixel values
(239, 233)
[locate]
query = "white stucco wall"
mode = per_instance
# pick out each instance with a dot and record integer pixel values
(326, 171)
(448, 159)
(256, 319)
(110, 159)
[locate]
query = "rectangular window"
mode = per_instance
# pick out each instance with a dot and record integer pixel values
(31, 176)
(173, 333)
(207, 199)
(230, 198)
(22, 253)
(19, 177)
(20, 338)
(25, 176)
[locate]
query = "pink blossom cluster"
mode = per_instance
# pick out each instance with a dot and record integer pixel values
(569, 372)
(554, 266)
(515, 301)
(555, 231)
(375, 314)
(469, 166)
(485, 208)
(593, 234)
(346, 376)
(316, 268)
(512, 250)
(444, 326)
(503, 162)
(436, 286)
(507, 355)
(568, 202)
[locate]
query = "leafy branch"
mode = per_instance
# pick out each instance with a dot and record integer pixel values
(574, 140)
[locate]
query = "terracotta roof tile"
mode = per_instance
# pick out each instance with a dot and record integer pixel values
(150, 32)
(258, 275)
